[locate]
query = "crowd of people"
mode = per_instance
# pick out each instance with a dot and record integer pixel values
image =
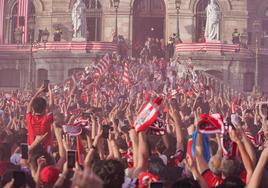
(133, 123)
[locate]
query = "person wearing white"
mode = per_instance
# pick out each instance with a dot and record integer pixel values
(212, 31)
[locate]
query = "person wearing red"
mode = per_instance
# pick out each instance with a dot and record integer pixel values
(39, 117)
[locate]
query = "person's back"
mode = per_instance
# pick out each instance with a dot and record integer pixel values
(38, 120)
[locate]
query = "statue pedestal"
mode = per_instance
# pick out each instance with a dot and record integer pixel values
(79, 39)
(217, 42)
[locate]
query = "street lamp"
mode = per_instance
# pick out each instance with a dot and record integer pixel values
(31, 24)
(45, 35)
(116, 5)
(178, 6)
(257, 29)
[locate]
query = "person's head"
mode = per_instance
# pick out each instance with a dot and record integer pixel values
(111, 172)
(229, 167)
(232, 182)
(249, 117)
(186, 182)
(39, 105)
(49, 176)
(157, 167)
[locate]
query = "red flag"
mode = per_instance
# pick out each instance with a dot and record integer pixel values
(147, 115)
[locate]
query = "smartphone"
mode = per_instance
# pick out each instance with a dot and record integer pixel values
(105, 133)
(156, 185)
(71, 159)
(19, 179)
(24, 150)
(46, 82)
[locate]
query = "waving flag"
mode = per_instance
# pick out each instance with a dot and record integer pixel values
(102, 66)
(210, 124)
(126, 80)
(147, 115)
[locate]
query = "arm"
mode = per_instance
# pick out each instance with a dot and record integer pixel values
(201, 162)
(51, 99)
(176, 117)
(29, 106)
(249, 148)
(191, 165)
(90, 154)
(143, 152)
(244, 155)
(259, 170)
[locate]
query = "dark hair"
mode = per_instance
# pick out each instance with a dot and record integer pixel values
(186, 182)
(157, 167)
(232, 182)
(230, 167)
(111, 172)
(39, 105)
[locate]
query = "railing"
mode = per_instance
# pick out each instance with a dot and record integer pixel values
(61, 46)
(221, 85)
(206, 47)
(218, 47)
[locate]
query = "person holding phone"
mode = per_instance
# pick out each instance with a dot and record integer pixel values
(39, 117)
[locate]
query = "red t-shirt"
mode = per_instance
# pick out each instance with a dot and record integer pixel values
(213, 180)
(39, 125)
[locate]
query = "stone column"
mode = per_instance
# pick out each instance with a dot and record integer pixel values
(2, 6)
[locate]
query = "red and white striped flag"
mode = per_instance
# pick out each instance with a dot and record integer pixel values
(102, 66)
(126, 79)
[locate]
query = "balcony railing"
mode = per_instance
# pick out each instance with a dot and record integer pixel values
(61, 46)
(217, 47)
(206, 47)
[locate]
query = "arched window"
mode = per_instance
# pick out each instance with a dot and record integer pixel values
(9, 78)
(31, 15)
(201, 20)
(15, 19)
(93, 20)
(14, 22)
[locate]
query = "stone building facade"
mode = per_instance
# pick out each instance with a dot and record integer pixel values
(137, 20)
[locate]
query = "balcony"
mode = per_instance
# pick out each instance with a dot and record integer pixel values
(96, 47)
(217, 48)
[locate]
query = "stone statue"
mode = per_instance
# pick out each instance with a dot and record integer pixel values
(79, 20)
(212, 31)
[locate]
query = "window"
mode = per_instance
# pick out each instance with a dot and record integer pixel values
(14, 22)
(93, 20)
(15, 19)
(31, 14)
